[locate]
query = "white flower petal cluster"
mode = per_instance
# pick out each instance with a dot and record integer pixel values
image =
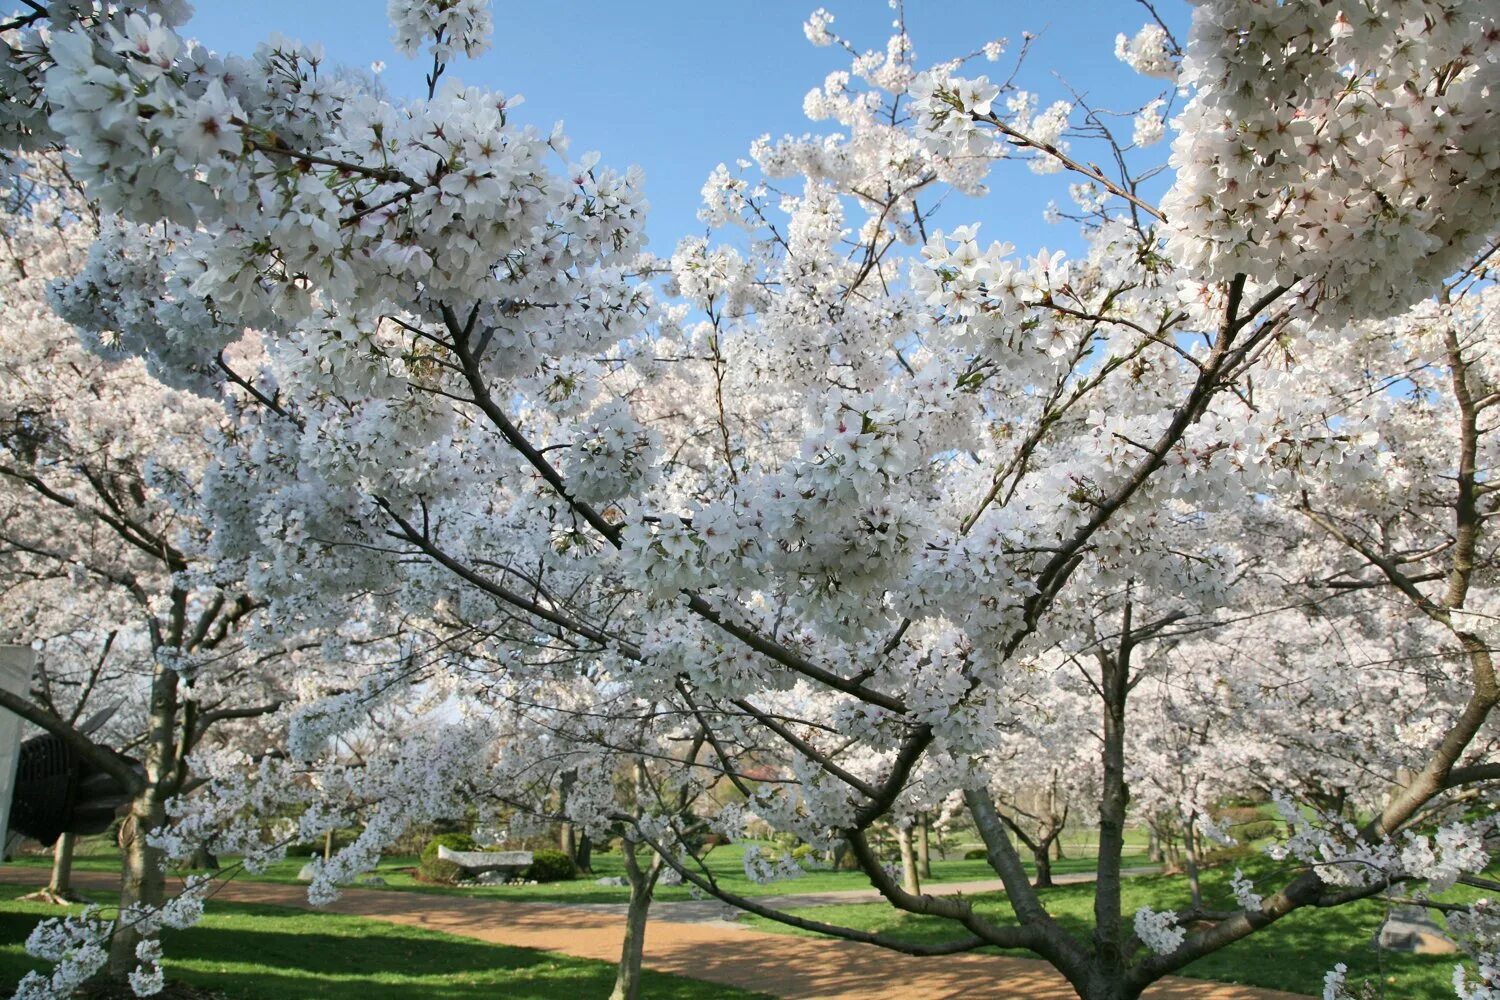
(442, 27)
(1149, 52)
(1354, 150)
(1159, 931)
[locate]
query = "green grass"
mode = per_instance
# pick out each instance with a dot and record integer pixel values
(1292, 954)
(270, 953)
(726, 862)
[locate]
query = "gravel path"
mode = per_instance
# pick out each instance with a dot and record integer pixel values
(795, 968)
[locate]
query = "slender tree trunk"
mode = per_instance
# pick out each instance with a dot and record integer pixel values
(910, 881)
(567, 834)
(59, 891)
(1115, 798)
(61, 884)
(1057, 848)
(143, 879)
(924, 848)
(143, 876)
(1190, 849)
(1042, 858)
(642, 885)
(585, 858)
(327, 846)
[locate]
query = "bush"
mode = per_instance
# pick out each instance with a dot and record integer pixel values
(550, 866)
(1255, 831)
(975, 854)
(803, 851)
(1235, 815)
(1224, 855)
(433, 868)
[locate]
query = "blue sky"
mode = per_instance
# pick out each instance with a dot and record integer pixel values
(678, 87)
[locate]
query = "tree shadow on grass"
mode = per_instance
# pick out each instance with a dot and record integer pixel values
(269, 953)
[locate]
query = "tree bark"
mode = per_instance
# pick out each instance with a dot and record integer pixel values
(585, 858)
(642, 885)
(61, 883)
(143, 880)
(1104, 986)
(143, 876)
(59, 891)
(924, 848)
(1190, 849)
(910, 881)
(567, 834)
(1042, 858)
(1115, 798)
(203, 860)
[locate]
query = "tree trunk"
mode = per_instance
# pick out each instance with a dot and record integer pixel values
(924, 848)
(203, 860)
(1042, 858)
(1190, 848)
(567, 833)
(143, 874)
(1106, 986)
(143, 879)
(61, 884)
(909, 878)
(327, 846)
(1153, 846)
(642, 885)
(1114, 800)
(59, 891)
(1057, 849)
(585, 858)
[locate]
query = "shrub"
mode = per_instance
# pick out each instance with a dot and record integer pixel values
(975, 854)
(550, 866)
(1224, 855)
(1254, 831)
(1236, 815)
(433, 868)
(802, 851)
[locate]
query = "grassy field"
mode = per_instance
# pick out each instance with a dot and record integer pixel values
(727, 864)
(270, 953)
(1292, 954)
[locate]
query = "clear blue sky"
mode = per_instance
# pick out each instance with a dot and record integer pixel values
(679, 86)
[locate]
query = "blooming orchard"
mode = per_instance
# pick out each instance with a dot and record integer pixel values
(886, 510)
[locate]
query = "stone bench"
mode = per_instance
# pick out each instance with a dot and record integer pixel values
(473, 863)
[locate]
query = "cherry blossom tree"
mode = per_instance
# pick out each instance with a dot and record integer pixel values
(846, 484)
(102, 546)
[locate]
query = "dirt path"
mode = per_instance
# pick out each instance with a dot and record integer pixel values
(796, 968)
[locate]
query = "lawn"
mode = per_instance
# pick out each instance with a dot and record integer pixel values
(726, 862)
(270, 953)
(1292, 954)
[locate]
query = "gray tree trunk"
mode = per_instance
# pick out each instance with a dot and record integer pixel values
(642, 885)
(1043, 860)
(143, 879)
(61, 884)
(1190, 849)
(924, 848)
(909, 878)
(143, 876)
